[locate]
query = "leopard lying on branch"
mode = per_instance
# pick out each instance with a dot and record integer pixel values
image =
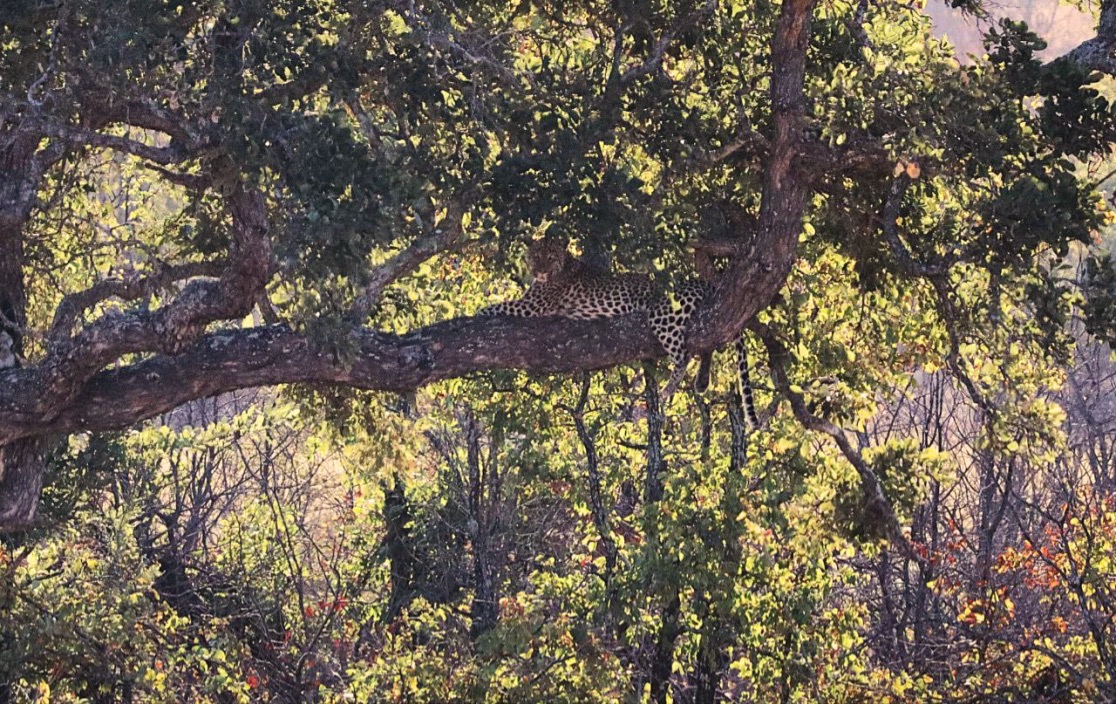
(567, 287)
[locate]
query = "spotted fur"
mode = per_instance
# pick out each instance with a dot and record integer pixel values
(688, 298)
(669, 317)
(744, 382)
(565, 286)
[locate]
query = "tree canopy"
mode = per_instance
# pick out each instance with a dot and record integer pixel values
(318, 195)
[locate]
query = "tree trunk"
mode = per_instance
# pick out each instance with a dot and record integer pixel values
(483, 503)
(22, 462)
(712, 660)
(656, 464)
(22, 465)
(400, 549)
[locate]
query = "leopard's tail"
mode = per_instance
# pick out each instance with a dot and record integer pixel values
(744, 380)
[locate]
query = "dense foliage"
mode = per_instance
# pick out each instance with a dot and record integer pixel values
(239, 245)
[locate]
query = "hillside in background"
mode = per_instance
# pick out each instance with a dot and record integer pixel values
(1062, 25)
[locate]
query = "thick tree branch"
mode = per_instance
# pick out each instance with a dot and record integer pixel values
(1099, 53)
(139, 113)
(168, 329)
(75, 304)
(82, 136)
(754, 278)
(823, 164)
(230, 360)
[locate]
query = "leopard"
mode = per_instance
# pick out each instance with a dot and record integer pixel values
(689, 296)
(568, 287)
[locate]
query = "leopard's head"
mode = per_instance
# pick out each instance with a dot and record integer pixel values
(546, 258)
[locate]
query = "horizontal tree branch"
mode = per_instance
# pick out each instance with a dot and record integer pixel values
(225, 361)
(82, 136)
(144, 114)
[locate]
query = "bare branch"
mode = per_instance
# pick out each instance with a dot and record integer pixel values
(652, 63)
(890, 227)
(52, 62)
(444, 41)
(82, 136)
(592, 462)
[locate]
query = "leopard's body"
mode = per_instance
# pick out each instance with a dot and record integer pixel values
(565, 286)
(688, 298)
(582, 297)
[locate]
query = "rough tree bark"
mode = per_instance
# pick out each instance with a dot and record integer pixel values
(757, 272)
(22, 462)
(1099, 53)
